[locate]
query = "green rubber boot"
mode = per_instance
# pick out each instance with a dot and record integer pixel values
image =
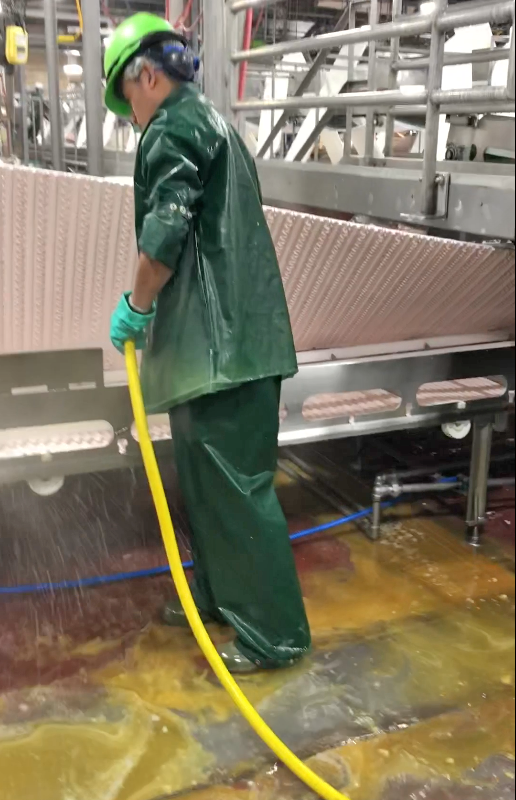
(173, 615)
(238, 664)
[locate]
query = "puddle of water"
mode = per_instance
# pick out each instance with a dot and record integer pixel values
(450, 749)
(423, 615)
(121, 750)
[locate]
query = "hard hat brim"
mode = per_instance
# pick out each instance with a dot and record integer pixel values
(114, 103)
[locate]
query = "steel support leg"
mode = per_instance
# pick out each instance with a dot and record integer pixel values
(92, 57)
(479, 477)
(397, 10)
(24, 114)
(371, 85)
(435, 81)
(376, 523)
(216, 79)
(56, 122)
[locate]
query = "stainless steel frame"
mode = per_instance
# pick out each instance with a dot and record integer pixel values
(480, 199)
(427, 204)
(69, 388)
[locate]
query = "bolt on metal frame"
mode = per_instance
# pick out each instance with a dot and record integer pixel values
(436, 100)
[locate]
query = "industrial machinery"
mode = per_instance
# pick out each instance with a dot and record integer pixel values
(404, 318)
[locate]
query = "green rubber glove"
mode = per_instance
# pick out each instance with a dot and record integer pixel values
(128, 325)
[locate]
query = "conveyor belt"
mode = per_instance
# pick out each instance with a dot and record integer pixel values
(68, 251)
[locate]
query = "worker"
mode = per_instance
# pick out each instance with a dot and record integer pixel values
(209, 311)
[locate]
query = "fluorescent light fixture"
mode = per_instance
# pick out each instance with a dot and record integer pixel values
(73, 70)
(427, 7)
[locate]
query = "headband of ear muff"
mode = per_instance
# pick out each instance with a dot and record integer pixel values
(173, 54)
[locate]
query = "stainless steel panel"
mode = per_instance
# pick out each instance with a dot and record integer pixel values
(481, 198)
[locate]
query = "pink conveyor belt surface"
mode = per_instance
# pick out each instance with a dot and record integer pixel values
(68, 251)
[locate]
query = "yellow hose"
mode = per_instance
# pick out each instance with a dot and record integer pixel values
(313, 781)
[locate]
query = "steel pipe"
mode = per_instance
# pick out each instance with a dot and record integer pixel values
(467, 14)
(511, 88)
(383, 99)
(472, 14)
(504, 107)
(216, 76)
(479, 94)
(371, 83)
(244, 5)
(453, 59)
(92, 58)
(23, 115)
(435, 80)
(353, 99)
(348, 137)
(58, 161)
(405, 26)
(397, 8)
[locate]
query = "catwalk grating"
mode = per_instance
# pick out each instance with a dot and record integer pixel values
(68, 251)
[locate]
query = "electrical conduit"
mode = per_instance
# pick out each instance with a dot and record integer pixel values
(279, 748)
(248, 40)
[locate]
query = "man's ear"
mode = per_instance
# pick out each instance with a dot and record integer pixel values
(152, 78)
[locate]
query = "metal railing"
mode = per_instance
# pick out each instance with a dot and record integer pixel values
(430, 99)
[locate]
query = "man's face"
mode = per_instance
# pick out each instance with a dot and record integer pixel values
(141, 94)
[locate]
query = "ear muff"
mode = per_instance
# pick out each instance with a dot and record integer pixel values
(179, 61)
(170, 50)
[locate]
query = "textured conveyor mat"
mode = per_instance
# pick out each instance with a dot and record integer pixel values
(68, 251)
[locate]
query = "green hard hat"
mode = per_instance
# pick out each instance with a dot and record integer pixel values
(123, 46)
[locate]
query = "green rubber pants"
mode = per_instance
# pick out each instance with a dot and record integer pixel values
(226, 448)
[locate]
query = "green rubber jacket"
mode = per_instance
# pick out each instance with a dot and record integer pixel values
(222, 320)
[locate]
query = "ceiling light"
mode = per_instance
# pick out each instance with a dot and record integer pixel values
(427, 7)
(73, 70)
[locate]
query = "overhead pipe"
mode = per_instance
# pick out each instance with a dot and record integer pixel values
(468, 14)
(511, 74)
(381, 99)
(248, 40)
(358, 99)
(397, 10)
(405, 26)
(52, 54)
(246, 5)
(453, 59)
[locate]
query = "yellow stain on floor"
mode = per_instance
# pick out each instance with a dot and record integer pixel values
(464, 648)
(417, 569)
(136, 756)
(447, 747)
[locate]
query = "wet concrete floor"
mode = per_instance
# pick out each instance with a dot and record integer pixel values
(409, 692)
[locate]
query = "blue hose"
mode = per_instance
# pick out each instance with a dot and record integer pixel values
(88, 583)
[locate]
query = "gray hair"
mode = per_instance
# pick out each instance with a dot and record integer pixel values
(134, 70)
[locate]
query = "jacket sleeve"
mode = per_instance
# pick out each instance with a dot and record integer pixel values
(173, 187)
